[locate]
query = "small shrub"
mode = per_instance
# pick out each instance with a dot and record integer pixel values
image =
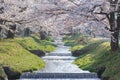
(76, 48)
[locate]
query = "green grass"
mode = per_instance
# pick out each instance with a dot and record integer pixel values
(95, 54)
(34, 43)
(98, 55)
(76, 39)
(15, 53)
(78, 47)
(18, 58)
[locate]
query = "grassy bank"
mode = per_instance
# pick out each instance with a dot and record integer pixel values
(96, 54)
(15, 54)
(76, 39)
(18, 58)
(34, 43)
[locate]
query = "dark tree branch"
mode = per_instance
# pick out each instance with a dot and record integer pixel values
(74, 3)
(23, 9)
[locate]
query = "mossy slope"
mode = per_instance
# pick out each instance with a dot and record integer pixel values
(35, 43)
(96, 54)
(14, 55)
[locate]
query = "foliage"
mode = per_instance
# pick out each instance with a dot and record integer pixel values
(50, 38)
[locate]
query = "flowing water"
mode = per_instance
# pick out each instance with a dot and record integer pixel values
(59, 67)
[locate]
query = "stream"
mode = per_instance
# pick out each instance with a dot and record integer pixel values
(59, 67)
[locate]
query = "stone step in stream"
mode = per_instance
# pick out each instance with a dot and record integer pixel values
(59, 54)
(59, 76)
(58, 58)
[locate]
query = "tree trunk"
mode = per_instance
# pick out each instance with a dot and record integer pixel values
(10, 34)
(114, 25)
(27, 32)
(42, 35)
(114, 32)
(114, 41)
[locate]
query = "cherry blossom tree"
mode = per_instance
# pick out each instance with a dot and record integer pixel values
(92, 17)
